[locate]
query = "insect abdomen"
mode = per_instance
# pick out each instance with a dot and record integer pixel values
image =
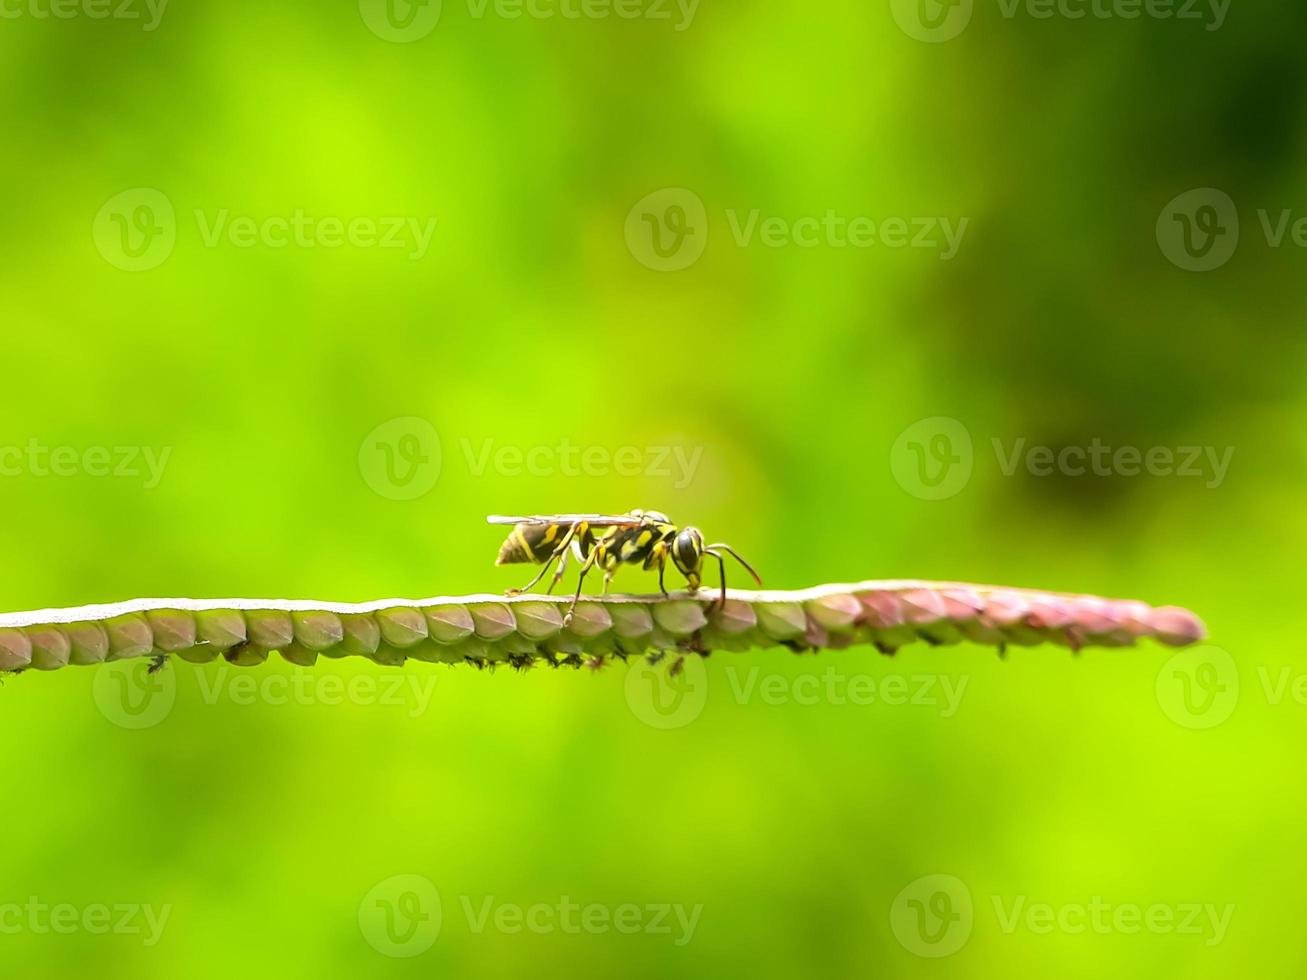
(531, 544)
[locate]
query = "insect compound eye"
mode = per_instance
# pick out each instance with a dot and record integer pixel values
(687, 550)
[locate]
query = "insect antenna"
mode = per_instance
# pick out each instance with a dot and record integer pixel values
(734, 554)
(712, 549)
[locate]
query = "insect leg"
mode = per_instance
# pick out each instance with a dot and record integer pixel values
(716, 551)
(580, 580)
(560, 550)
(721, 603)
(562, 567)
(658, 556)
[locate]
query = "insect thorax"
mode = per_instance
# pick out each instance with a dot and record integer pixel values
(633, 545)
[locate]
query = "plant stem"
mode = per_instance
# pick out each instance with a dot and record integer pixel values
(523, 630)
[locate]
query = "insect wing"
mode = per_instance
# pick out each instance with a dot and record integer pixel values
(594, 520)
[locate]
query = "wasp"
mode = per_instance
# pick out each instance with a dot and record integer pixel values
(642, 537)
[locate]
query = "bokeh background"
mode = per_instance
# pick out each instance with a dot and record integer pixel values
(633, 296)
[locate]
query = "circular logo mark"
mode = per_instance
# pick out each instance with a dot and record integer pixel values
(400, 917)
(400, 459)
(130, 696)
(665, 696)
(1199, 230)
(136, 230)
(933, 916)
(932, 459)
(667, 230)
(932, 21)
(400, 21)
(1199, 687)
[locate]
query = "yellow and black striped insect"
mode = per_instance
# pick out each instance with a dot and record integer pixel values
(645, 538)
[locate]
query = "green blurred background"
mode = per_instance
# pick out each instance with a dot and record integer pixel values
(558, 305)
